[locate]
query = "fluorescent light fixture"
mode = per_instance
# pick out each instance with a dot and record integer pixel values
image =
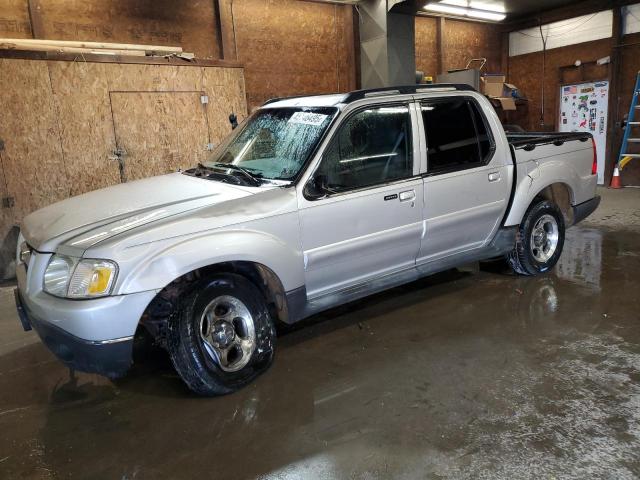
(461, 8)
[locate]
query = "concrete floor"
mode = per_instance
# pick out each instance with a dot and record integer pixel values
(468, 374)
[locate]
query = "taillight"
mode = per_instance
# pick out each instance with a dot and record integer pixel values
(594, 165)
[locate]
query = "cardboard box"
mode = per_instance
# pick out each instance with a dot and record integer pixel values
(507, 103)
(493, 85)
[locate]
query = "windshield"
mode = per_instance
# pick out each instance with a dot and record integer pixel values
(274, 143)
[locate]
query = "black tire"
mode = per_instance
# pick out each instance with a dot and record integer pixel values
(195, 365)
(522, 258)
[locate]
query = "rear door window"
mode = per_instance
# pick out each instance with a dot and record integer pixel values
(457, 135)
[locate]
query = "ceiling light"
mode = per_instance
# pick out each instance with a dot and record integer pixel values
(461, 8)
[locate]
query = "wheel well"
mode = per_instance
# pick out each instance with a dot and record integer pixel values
(561, 195)
(162, 307)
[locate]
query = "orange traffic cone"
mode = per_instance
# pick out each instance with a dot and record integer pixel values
(615, 180)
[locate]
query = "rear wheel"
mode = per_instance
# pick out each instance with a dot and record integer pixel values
(222, 337)
(539, 240)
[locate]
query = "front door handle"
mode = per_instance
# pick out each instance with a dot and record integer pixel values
(494, 176)
(407, 195)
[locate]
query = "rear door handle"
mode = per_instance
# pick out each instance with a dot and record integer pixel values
(494, 176)
(407, 195)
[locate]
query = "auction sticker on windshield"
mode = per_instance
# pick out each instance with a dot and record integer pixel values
(308, 118)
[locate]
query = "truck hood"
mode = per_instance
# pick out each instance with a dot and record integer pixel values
(114, 210)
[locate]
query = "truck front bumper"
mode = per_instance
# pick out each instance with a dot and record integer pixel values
(94, 336)
(584, 209)
(111, 358)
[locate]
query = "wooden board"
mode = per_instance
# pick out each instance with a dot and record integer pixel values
(160, 132)
(148, 49)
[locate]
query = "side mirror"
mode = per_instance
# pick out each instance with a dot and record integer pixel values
(317, 187)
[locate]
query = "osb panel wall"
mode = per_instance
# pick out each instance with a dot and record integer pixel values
(426, 46)
(33, 165)
(462, 42)
(190, 23)
(290, 47)
(14, 19)
(58, 127)
(466, 40)
(525, 72)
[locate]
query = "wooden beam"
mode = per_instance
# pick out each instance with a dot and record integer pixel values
(440, 46)
(35, 18)
(615, 82)
(53, 48)
(93, 58)
(148, 49)
(226, 29)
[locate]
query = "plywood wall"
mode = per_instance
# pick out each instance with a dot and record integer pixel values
(462, 41)
(190, 23)
(290, 47)
(60, 133)
(426, 46)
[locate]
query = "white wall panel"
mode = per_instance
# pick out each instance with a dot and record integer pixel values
(632, 19)
(560, 34)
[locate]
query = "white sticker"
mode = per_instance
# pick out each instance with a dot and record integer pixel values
(308, 118)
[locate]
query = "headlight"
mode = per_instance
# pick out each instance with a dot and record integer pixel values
(79, 278)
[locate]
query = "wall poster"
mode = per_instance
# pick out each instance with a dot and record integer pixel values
(584, 108)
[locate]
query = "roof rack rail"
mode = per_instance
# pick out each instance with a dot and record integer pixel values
(382, 91)
(404, 90)
(277, 99)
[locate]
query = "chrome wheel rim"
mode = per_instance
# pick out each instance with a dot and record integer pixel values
(544, 238)
(228, 332)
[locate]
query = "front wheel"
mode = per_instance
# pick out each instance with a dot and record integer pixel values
(222, 336)
(539, 240)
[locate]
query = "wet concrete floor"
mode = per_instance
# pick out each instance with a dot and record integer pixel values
(464, 375)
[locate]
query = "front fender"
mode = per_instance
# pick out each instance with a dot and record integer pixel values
(163, 265)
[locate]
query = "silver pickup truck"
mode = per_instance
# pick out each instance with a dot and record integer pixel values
(311, 203)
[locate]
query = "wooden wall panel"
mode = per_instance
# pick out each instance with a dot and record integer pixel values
(81, 93)
(462, 41)
(33, 162)
(58, 128)
(426, 46)
(289, 47)
(160, 131)
(466, 40)
(190, 23)
(525, 72)
(14, 19)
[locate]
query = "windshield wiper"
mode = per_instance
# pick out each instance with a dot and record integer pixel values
(253, 179)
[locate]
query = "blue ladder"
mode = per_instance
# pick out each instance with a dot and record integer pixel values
(624, 156)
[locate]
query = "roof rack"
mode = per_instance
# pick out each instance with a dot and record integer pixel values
(277, 99)
(404, 90)
(382, 91)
